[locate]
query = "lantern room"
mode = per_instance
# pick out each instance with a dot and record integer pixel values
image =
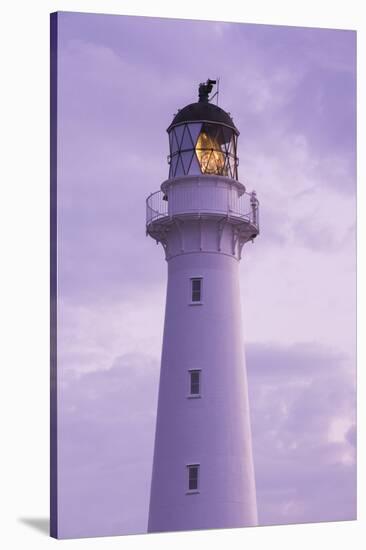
(203, 139)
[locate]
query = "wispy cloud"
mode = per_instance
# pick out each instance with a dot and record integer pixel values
(303, 413)
(106, 434)
(303, 416)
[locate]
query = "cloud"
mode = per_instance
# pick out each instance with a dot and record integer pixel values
(106, 433)
(91, 336)
(303, 423)
(302, 409)
(113, 144)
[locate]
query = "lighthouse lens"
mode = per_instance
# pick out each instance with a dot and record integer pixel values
(202, 148)
(209, 154)
(214, 150)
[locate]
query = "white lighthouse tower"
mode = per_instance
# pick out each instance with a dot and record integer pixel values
(203, 475)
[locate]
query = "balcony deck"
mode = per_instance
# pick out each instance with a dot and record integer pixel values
(196, 202)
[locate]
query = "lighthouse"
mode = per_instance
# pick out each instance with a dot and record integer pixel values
(203, 473)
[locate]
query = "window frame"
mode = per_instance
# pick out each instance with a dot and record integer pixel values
(191, 395)
(191, 301)
(189, 467)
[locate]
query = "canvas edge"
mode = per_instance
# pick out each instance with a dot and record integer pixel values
(53, 276)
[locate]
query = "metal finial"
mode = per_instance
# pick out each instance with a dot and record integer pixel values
(205, 89)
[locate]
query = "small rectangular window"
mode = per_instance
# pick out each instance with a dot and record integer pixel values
(193, 470)
(196, 289)
(194, 382)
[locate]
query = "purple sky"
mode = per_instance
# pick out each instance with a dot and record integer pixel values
(291, 92)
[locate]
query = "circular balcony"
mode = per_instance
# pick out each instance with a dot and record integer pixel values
(198, 197)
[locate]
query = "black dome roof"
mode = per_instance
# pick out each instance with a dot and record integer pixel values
(203, 111)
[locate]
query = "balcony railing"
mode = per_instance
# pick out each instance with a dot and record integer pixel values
(156, 207)
(197, 200)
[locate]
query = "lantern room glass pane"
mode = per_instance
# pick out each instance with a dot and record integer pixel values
(186, 159)
(226, 170)
(179, 133)
(173, 165)
(227, 134)
(194, 129)
(233, 167)
(195, 168)
(186, 140)
(231, 148)
(221, 139)
(180, 170)
(173, 143)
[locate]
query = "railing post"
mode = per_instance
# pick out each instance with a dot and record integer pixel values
(254, 206)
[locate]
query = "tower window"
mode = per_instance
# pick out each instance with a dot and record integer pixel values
(195, 383)
(196, 288)
(193, 477)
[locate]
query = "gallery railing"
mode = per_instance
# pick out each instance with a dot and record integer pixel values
(245, 206)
